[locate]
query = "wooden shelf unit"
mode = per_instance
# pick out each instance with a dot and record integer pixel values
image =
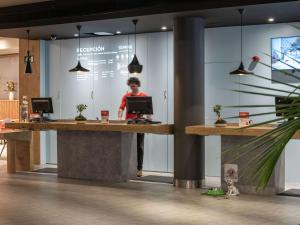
(9, 109)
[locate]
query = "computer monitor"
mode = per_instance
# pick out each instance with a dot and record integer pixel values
(139, 105)
(280, 102)
(42, 105)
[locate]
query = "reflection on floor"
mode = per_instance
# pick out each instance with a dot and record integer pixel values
(148, 176)
(35, 199)
(3, 156)
(292, 189)
(292, 186)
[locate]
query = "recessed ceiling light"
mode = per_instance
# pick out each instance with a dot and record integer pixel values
(118, 32)
(103, 33)
(76, 35)
(164, 28)
(271, 19)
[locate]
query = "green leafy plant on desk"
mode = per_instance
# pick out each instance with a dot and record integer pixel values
(219, 122)
(80, 108)
(264, 151)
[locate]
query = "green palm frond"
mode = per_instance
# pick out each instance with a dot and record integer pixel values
(263, 152)
(266, 88)
(261, 106)
(275, 81)
(256, 93)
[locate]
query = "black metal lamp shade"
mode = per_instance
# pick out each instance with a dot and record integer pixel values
(28, 57)
(135, 66)
(241, 71)
(79, 68)
(28, 68)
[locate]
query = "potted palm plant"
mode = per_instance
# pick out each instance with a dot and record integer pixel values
(80, 118)
(263, 162)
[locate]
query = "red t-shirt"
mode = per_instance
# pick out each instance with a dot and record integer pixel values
(123, 103)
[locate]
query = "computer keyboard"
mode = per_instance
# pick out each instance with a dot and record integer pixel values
(142, 121)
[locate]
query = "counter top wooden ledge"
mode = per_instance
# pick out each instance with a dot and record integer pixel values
(94, 126)
(205, 130)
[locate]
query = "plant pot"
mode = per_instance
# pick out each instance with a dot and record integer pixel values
(11, 95)
(221, 123)
(80, 118)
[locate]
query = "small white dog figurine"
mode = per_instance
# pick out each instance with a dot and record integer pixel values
(232, 190)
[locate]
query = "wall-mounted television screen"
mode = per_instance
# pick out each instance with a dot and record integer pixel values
(285, 53)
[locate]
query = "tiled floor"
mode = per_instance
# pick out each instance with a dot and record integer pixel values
(29, 199)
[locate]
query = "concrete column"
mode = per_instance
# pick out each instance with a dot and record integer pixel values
(189, 167)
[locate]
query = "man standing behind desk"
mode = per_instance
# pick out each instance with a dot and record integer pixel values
(134, 83)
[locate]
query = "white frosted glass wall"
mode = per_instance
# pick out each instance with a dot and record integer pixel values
(222, 55)
(102, 88)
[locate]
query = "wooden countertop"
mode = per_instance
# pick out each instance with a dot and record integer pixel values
(205, 130)
(8, 133)
(94, 126)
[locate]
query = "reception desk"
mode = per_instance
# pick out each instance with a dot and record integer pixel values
(96, 151)
(19, 149)
(231, 130)
(232, 135)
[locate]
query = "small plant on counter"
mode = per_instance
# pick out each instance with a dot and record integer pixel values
(80, 108)
(220, 121)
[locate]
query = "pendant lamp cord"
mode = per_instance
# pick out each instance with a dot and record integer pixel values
(28, 31)
(79, 37)
(241, 30)
(135, 39)
(241, 13)
(135, 23)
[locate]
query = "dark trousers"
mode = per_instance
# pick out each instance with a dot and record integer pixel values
(140, 150)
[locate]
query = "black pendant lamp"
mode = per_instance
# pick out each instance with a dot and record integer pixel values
(28, 57)
(241, 69)
(78, 67)
(135, 66)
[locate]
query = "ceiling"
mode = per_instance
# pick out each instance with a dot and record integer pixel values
(255, 14)
(7, 3)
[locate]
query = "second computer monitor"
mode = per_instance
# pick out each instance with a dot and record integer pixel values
(283, 103)
(139, 105)
(42, 105)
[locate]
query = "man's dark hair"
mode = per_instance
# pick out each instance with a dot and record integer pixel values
(134, 80)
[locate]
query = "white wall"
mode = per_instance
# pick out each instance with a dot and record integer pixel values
(9, 46)
(9, 71)
(222, 48)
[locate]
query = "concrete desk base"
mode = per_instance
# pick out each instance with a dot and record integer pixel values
(245, 183)
(105, 156)
(96, 151)
(231, 136)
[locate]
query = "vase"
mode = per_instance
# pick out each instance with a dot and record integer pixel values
(11, 95)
